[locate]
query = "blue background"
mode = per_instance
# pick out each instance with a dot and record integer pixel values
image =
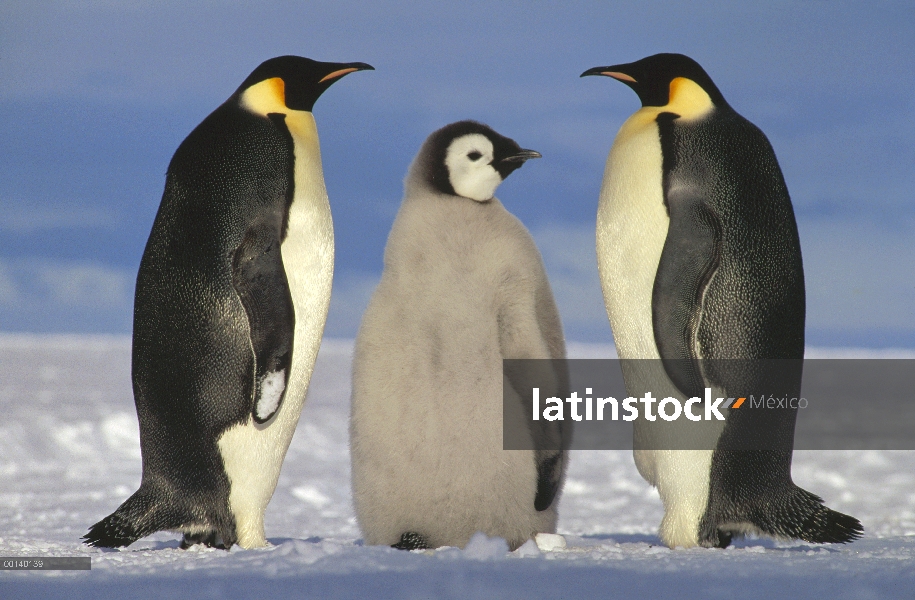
(95, 96)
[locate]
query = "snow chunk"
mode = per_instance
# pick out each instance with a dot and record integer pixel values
(305, 552)
(482, 547)
(529, 548)
(550, 542)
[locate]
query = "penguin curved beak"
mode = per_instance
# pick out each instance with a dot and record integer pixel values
(611, 71)
(346, 68)
(522, 156)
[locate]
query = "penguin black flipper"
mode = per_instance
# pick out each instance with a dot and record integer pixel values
(549, 477)
(690, 256)
(550, 438)
(556, 437)
(259, 279)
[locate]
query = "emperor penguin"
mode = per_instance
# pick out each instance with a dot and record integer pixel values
(463, 288)
(231, 299)
(700, 261)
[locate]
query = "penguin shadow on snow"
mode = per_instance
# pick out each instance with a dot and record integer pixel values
(736, 544)
(625, 538)
(148, 546)
(315, 539)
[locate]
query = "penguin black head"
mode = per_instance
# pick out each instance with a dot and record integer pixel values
(469, 159)
(654, 78)
(297, 81)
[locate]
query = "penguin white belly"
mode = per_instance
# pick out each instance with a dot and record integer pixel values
(253, 453)
(632, 225)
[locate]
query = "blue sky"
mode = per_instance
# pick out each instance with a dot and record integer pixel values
(95, 96)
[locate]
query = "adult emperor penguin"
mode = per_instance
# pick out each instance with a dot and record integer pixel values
(700, 260)
(231, 300)
(463, 287)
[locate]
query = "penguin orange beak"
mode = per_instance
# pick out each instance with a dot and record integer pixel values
(347, 68)
(522, 156)
(609, 72)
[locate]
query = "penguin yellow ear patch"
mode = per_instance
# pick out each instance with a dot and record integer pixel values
(268, 96)
(688, 99)
(336, 74)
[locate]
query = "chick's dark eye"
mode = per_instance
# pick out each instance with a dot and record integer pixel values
(474, 155)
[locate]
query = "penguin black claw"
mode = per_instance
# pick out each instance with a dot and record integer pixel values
(210, 539)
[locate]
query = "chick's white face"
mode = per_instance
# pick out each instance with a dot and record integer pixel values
(469, 162)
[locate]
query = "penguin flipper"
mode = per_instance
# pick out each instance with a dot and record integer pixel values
(549, 477)
(259, 279)
(550, 438)
(690, 256)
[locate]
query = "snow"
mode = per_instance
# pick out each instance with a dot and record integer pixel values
(69, 455)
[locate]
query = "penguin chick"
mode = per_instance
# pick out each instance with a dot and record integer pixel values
(463, 287)
(231, 300)
(700, 264)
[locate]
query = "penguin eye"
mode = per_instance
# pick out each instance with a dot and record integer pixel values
(474, 155)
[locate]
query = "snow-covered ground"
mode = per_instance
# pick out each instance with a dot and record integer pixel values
(69, 455)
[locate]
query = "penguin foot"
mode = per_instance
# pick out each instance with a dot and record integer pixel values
(210, 539)
(411, 541)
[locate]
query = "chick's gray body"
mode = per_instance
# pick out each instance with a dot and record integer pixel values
(463, 287)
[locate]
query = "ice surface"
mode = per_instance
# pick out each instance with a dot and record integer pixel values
(69, 455)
